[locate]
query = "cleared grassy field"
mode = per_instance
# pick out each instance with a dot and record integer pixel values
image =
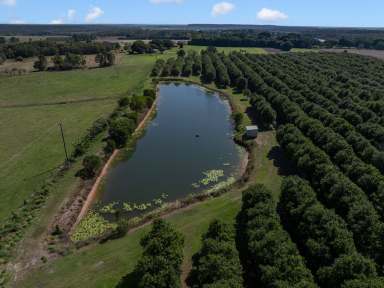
(255, 50)
(30, 139)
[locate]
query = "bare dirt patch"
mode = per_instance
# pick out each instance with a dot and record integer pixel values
(15, 68)
(365, 52)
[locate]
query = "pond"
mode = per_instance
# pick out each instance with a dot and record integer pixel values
(192, 133)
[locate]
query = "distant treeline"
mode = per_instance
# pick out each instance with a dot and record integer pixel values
(14, 49)
(140, 47)
(278, 37)
(284, 41)
(248, 39)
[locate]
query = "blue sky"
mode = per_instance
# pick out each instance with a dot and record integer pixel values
(366, 13)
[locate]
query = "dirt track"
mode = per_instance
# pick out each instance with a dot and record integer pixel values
(93, 193)
(365, 52)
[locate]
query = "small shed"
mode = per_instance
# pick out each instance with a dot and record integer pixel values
(251, 131)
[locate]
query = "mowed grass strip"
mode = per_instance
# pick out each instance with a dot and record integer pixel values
(30, 146)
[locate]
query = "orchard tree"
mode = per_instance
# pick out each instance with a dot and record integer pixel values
(181, 53)
(160, 263)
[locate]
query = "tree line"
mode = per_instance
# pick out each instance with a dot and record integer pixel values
(156, 45)
(20, 50)
(72, 61)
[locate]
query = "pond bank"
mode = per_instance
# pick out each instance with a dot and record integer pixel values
(173, 205)
(95, 187)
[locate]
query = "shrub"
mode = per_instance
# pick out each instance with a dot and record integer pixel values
(91, 164)
(120, 129)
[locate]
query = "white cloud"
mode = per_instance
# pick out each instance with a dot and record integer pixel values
(8, 2)
(71, 13)
(222, 8)
(57, 21)
(17, 21)
(166, 1)
(93, 14)
(266, 14)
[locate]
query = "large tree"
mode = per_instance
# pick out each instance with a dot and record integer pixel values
(41, 63)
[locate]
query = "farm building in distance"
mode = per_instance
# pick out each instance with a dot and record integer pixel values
(251, 131)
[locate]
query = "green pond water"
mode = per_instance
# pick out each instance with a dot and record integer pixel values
(192, 133)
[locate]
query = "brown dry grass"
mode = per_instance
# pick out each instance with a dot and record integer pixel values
(11, 67)
(365, 52)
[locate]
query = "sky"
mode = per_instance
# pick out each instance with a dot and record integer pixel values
(334, 13)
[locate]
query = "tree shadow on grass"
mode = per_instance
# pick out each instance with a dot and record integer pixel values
(284, 165)
(128, 281)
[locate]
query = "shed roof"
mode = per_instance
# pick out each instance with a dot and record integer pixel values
(253, 127)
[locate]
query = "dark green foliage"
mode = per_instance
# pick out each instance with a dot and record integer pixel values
(105, 58)
(217, 262)
(188, 65)
(120, 129)
(138, 103)
(73, 61)
(336, 191)
(296, 103)
(177, 66)
(264, 112)
(222, 77)
(242, 83)
(70, 61)
(109, 147)
(159, 266)
(196, 67)
(234, 73)
(41, 63)
(91, 165)
(139, 47)
(159, 65)
(160, 44)
(208, 70)
(167, 67)
(58, 62)
(123, 102)
(254, 38)
(98, 126)
(348, 267)
(25, 49)
(150, 93)
(269, 257)
(377, 282)
(322, 236)
(181, 53)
